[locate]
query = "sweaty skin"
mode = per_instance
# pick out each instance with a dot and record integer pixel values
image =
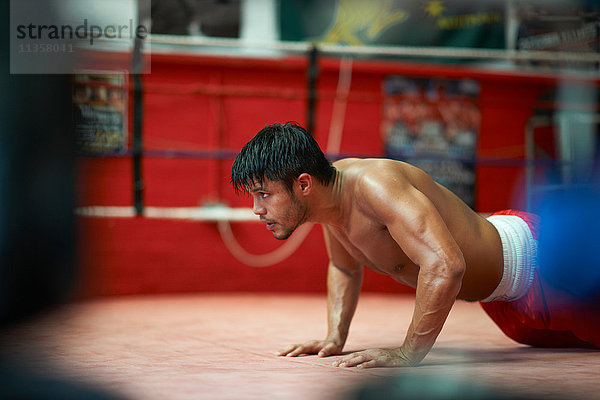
(392, 218)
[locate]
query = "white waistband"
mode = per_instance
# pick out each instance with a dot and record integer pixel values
(519, 250)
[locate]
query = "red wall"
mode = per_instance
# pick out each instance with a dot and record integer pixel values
(197, 104)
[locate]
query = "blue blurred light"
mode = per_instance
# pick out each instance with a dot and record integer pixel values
(569, 241)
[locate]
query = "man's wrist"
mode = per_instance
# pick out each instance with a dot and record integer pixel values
(336, 338)
(411, 358)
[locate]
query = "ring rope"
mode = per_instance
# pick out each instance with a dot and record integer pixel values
(378, 50)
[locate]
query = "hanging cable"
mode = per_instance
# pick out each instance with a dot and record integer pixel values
(338, 114)
(262, 260)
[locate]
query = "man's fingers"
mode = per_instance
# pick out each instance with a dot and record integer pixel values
(313, 347)
(372, 358)
(301, 349)
(368, 364)
(353, 360)
(328, 350)
(287, 350)
(296, 352)
(359, 360)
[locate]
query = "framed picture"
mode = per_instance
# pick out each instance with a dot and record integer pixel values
(433, 123)
(100, 107)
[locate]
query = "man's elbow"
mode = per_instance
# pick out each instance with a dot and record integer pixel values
(456, 267)
(449, 269)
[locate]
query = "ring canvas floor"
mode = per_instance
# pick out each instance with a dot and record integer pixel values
(221, 346)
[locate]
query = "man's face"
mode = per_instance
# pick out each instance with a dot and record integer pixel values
(281, 210)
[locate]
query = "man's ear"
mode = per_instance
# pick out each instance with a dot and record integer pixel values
(304, 183)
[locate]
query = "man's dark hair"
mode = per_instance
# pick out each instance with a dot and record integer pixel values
(280, 152)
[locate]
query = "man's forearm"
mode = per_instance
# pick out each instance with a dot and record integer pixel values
(343, 288)
(434, 299)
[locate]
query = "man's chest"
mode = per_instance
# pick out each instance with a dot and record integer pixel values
(371, 245)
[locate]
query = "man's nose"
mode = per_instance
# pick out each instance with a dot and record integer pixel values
(258, 209)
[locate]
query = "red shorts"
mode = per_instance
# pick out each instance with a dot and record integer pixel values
(546, 316)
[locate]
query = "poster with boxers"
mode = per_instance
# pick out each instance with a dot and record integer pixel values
(100, 112)
(434, 124)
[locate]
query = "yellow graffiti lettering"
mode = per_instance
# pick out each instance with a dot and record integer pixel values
(358, 17)
(468, 20)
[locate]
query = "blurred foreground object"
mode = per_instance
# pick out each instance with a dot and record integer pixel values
(569, 244)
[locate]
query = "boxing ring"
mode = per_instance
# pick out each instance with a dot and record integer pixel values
(331, 90)
(160, 315)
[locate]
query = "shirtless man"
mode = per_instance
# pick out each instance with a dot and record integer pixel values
(385, 215)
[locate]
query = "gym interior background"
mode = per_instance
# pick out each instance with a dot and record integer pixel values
(127, 190)
(489, 122)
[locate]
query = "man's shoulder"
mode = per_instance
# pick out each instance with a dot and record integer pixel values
(370, 165)
(366, 172)
(373, 180)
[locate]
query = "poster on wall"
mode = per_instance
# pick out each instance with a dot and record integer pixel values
(433, 124)
(100, 112)
(458, 23)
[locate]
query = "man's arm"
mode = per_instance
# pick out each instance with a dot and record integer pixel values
(343, 288)
(415, 224)
(424, 237)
